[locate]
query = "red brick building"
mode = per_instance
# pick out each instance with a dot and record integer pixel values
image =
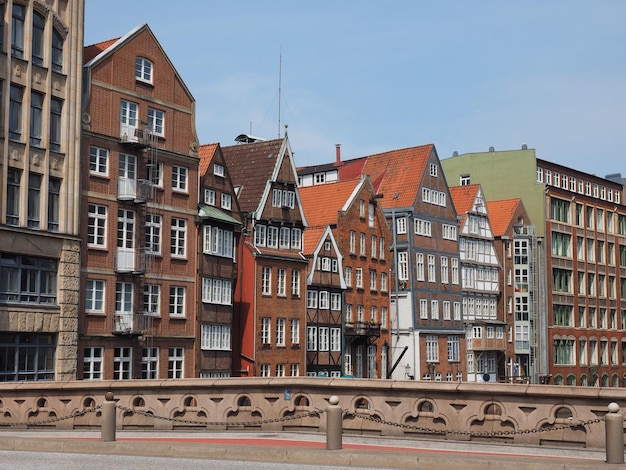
(352, 210)
(517, 303)
(269, 313)
(139, 204)
(427, 330)
(219, 232)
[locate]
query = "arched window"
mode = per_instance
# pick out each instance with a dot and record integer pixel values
(39, 26)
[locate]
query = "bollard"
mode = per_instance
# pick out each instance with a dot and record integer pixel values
(334, 423)
(107, 429)
(614, 428)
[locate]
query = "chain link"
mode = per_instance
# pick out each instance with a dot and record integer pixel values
(318, 413)
(221, 423)
(473, 433)
(56, 419)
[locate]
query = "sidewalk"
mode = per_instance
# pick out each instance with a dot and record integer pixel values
(304, 448)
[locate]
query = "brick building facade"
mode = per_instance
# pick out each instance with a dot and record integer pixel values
(139, 205)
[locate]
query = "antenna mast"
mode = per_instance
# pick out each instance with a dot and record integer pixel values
(280, 77)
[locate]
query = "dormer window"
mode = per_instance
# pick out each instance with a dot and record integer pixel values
(218, 170)
(143, 70)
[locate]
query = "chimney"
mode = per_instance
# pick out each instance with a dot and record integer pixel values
(337, 154)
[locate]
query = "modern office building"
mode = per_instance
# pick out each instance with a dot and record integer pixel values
(580, 254)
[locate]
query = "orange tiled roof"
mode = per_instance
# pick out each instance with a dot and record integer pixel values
(463, 198)
(311, 239)
(322, 202)
(206, 153)
(397, 174)
(500, 214)
(91, 51)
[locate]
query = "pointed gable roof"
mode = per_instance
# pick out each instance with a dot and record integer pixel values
(93, 54)
(397, 174)
(321, 203)
(91, 51)
(463, 198)
(311, 239)
(206, 153)
(501, 214)
(251, 166)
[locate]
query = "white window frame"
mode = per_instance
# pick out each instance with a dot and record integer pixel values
(143, 70)
(97, 226)
(178, 238)
(177, 301)
(227, 201)
(156, 121)
(98, 161)
(95, 294)
(295, 283)
(180, 178)
(266, 281)
(209, 197)
(176, 363)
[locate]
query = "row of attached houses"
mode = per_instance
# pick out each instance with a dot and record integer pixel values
(130, 250)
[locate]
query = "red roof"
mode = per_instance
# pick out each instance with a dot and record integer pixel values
(89, 52)
(321, 203)
(501, 214)
(312, 238)
(463, 198)
(206, 153)
(397, 174)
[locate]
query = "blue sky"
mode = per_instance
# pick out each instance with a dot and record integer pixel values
(376, 76)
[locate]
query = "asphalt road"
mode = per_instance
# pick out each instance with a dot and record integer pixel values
(20, 460)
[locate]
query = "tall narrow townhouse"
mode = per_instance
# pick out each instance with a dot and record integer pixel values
(517, 304)
(40, 77)
(139, 207)
(427, 331)
(325, 286)
(352, 210)
(579, 276)
(480, 268)
(269, 314)
(219, 232)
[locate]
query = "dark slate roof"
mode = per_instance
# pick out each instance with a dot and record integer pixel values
(251, 166)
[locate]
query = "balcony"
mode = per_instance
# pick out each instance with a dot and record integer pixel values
(361, 328)
(129, 260)
(128, 324)
(126, 189)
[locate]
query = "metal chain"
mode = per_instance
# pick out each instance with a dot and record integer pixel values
(317, 412)
(44, 422)
(474, 433)
(220, 423)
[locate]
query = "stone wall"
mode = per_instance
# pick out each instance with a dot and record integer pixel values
(447, 410)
